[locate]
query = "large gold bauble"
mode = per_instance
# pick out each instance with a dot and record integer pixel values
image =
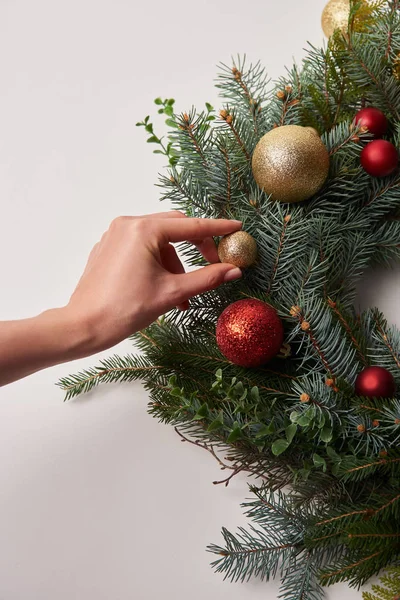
(291, 163)
(335, 16)
(239, 249)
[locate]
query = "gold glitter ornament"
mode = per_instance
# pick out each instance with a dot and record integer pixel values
(291, 163)
(239, 249)
(335, 16)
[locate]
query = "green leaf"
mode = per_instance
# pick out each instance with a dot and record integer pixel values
(279, 446)
(319, 461)
(265, 430)
(172, 380)
(326, 434)
(218, 374)
(176, 392)
(171, 101)
(158, 152)
(139, 124)
(294, 416)
(202, 412)
(303, 421)
(160, 111)
(332, 454)
(146, 119)
(291, 432)
(217, 424)
(158, 101)
(149, 128)
(153, 140)
(255, 394)
(171, 123)
(235, 435)
(209, 107)
(169, 110)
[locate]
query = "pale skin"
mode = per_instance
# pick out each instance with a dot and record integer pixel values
(133, 275)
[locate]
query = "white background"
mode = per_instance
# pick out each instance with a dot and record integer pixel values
(98, 501)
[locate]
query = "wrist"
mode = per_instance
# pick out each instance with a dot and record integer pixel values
(74, 335)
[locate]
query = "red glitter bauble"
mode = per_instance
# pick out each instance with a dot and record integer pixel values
(375, 382)
(373, 119)
(379, 158)
(249, 333)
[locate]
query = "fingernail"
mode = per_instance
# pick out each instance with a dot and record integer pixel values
(236, 222)
(233, 274)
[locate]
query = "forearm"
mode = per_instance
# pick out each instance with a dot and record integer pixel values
(29, 345)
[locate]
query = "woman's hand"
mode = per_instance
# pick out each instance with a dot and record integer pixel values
(134, 274)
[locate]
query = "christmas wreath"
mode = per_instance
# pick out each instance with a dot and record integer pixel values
(277, 374)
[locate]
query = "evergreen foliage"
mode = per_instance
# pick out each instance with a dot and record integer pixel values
(327, 504)
(389, 588)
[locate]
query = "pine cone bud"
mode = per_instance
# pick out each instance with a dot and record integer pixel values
(186, 117)
(383, 453)
(304, 398)
(229, 119)
(287, 218)
(375, 423)
(253, 202)
(295, 311)
(397, 421)
(361, 428)
(305, 325)
(288, 89)
(223, 113)
(281, 95)
(329, 382)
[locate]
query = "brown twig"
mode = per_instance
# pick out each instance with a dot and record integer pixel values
(352, 566)
(382, 461)
(386, 342)
(234, 468)
(348, 330)
(286, 222)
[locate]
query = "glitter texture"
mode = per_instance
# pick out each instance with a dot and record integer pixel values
(335, 16)
(239, 249)
(249, 333)
(291, 163)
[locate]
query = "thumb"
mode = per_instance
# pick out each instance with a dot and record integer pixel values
(204, 279)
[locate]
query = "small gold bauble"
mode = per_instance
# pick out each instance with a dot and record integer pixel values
(239, 249)
(335, 16)
(291, 163)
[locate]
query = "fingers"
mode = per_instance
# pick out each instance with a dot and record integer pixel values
(172, 263)
(202, 280)
(179, 230)
(207, 248)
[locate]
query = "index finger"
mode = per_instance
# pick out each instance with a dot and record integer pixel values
(180, 230)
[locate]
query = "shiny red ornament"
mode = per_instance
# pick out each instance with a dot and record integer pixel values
(379, 158)
(373, 119)
(375, 382)
(249, 332)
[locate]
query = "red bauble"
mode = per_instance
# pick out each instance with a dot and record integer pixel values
(375, 382)
(249, 333)
(373, 119)
(379, 158)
